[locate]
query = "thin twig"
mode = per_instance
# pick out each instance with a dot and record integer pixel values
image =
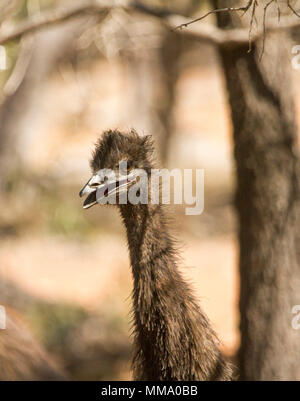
(217, 10)
(264, 27)
(255, 4)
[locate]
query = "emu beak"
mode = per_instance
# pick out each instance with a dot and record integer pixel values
(90, 188)
(97, 190)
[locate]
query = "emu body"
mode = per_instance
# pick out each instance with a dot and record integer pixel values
(22, 358)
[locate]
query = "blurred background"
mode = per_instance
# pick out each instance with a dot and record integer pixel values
(65, 272)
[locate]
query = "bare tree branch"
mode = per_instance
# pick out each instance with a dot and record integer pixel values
(208, 33)
(11, 31)
(218, 10)
(229, 37)
(250, 4)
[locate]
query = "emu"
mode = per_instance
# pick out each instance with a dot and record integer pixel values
(173, 339)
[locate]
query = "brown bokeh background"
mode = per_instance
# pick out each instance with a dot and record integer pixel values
(66, 271)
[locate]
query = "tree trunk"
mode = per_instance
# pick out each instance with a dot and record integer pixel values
(267, 201)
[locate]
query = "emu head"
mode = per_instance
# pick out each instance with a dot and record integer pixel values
(116, 159)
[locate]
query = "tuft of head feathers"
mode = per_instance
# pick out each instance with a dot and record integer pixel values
(115, 146)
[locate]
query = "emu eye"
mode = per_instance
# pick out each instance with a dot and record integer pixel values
(125, 166)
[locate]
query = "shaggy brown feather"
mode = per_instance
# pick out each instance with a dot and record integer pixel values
(173, 339)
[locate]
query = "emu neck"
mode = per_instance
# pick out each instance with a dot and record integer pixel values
(148, 239)
(172, 337)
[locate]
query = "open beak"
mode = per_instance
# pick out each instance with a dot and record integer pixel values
(96, 190)
(90, 189)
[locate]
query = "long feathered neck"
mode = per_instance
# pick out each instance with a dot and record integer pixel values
(173, 339)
